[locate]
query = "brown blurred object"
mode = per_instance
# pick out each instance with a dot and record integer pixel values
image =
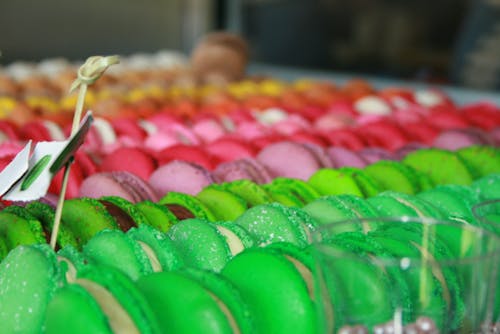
(220, 58)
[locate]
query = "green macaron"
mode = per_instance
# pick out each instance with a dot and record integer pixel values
(251, 192)
(194, 301)
(125, 213)
(116, 249)
(18, 227)
(225, 205)
(487, 187)
(369, 185)
(84, 217)
(443, 167)
(275, 222)
(300, 189)
(158, 247)
(29, 276)
(201, 244)
(158, 216)
(101, 300)
(186, 206)
(484, 160)
(46, 215)
(392, 175)
(329, 181)
(274, 289)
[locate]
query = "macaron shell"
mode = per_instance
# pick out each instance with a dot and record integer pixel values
(180, 176)
(84, 217)
(19, 231)
(368, 185)
(223, 204)
(46, 215)
(176, 300)
(252, 193)
(158, 216)
(393, 175)
(487, 187)
(116, 249)
(200, 244)
(273, 222)
(328, 181)
(273, 289)
(127, 207)
(24, 296)
(484, 159)
(191, 203)
(160, 244)
(299, 188)
(73, 309)
(443, 167)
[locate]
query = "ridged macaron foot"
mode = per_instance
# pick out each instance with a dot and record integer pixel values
(46, 215)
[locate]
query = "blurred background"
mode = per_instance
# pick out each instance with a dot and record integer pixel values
(439, 41)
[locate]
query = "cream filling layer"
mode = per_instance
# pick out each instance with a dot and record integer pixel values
(153, 259)
(229, 316)
(233, 241)
(119, 320)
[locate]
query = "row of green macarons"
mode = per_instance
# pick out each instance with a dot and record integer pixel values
(82, 218)
(243, 276)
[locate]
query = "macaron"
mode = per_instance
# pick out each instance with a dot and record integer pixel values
(302, 190)
(327, 181)
(186, 206)
(247, 168)
(205, 245)
(180, 176)
(19, 228)
(84, 217)
(392, 175)
(195, 302)
(125, 213)
(225, 205)
(188, 153)
(252, 193)
(274, 288)
(162, 253)
(390, 203)
(485, 160)
(118, 183)
(157, 215)
(228, 149)
(100, 300)
(114, 248)
(29, 277)
(487, 187)
(443, 167)
(130, 159)
(344, 157)
(277, 157)
(275, 222)
(368, 185)
(334, 209)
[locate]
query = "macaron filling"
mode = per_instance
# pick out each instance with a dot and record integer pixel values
(153, 259)
(181, 212)
(124, 221)
(233, 241)
(119, 320)
(225, 310)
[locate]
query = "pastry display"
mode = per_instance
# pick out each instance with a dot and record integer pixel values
(195, 202)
